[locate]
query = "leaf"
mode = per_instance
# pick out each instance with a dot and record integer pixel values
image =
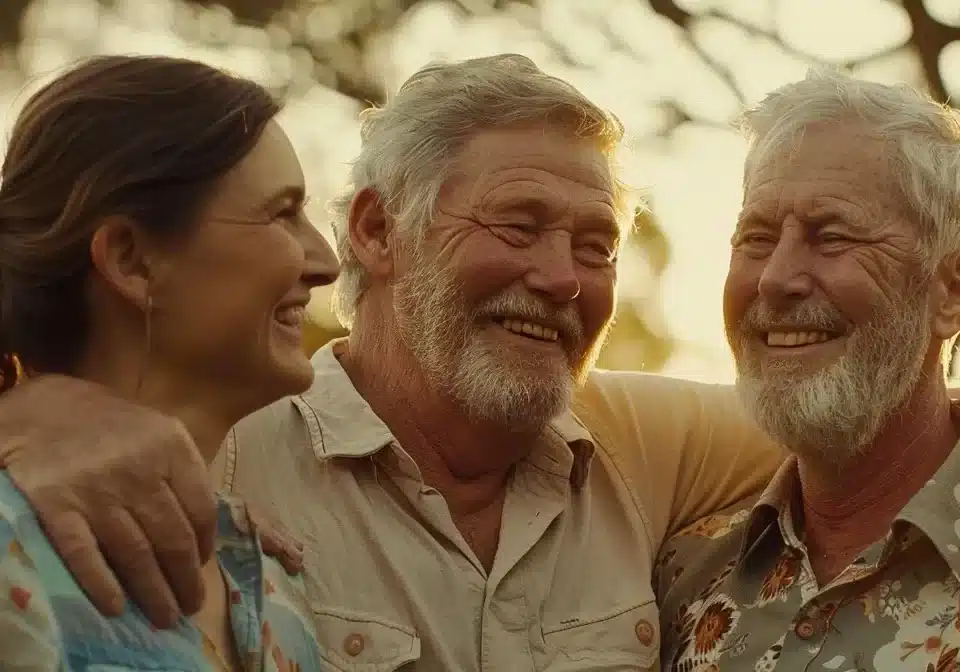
(947, 662)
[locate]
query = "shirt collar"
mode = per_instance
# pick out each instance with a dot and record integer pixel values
(348, 427)
(776, 497)
(934, 511)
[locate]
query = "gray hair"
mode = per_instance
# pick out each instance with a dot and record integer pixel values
(409, 146)
(924, 135)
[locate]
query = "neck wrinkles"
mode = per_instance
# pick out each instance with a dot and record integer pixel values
(859, 499)
(466, 460)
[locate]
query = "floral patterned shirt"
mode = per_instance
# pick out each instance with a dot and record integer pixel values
(737, 591)
(48, 624)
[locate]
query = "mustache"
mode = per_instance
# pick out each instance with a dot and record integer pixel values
(566, 320)
(761, 317)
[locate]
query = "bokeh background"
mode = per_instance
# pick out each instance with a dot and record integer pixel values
(676, 73)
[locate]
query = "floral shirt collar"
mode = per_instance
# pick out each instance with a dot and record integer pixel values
(933, 512)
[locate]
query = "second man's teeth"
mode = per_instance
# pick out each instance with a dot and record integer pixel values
(531, 329)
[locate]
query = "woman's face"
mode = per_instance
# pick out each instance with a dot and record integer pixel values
(229, 305)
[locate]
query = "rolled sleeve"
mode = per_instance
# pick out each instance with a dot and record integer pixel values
(687, 449)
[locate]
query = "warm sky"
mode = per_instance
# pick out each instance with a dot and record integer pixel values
(629, 59)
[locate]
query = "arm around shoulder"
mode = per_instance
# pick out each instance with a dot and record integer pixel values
(687, 448)
(106, 477)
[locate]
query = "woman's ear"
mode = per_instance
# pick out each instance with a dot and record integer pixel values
(121, 256)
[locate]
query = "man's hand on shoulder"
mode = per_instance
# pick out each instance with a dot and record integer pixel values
(121, 491)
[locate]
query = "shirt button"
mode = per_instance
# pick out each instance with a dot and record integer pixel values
(353, 644)
(644, 632)
(805, 628)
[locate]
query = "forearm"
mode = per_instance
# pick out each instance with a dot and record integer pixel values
(121, 491)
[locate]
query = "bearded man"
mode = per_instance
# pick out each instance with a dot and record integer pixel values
(842, 295)
(456, 514)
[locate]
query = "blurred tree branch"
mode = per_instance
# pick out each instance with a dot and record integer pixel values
(11, 22)
(929, 38)
(339, 59)
(683, 19)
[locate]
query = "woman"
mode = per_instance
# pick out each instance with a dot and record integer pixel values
(153, 240)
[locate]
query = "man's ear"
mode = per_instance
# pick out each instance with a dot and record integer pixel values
(121, 257)
(946, 298)
(371, 232)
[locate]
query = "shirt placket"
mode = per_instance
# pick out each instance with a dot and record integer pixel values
(533, 502)
(813, 623)
(503, 616)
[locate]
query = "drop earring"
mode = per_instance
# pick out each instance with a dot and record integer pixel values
(149, 322)
(147, 345)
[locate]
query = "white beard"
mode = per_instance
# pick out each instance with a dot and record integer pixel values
(834, 413)
(490, 382)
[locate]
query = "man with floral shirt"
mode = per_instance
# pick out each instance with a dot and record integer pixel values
(842, 293)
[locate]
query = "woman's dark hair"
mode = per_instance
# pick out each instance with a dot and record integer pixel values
(146, 137)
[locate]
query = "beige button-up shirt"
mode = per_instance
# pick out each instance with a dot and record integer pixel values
(391, 580)
(738, 591)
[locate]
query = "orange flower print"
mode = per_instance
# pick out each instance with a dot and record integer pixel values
(711, 527)
(706, 632)
(716, 526)
(20, 597)
(712, 627)
(946, 662)
(780, 579)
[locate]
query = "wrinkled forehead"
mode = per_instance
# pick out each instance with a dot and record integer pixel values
(508, 162)
(824, 162)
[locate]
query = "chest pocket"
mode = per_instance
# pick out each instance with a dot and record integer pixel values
(363, 643)
(626, 639)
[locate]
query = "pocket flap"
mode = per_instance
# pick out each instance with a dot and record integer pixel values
(626, 636)
(363, 643)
